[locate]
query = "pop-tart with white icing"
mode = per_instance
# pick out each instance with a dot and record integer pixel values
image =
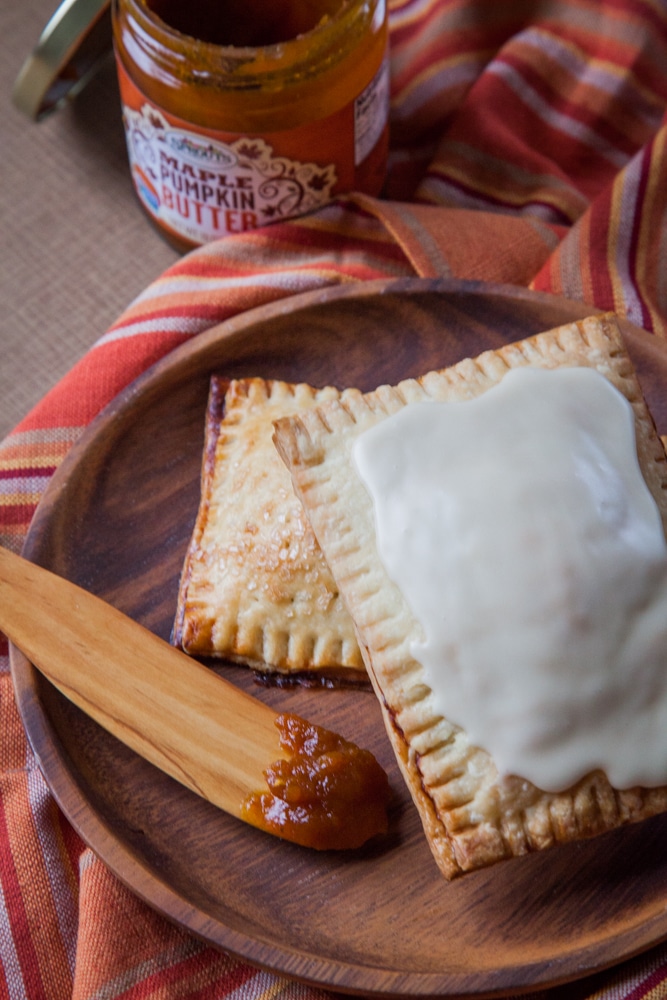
(497, 530)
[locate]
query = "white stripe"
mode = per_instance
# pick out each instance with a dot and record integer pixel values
(591, 73)
(410, 12)
(559, 121)
(170, 324)
(176, 285)
(296, 280)
(55, 435)
(430, 85)
(629, 197)
(439, 191)
(293, 281)
(253, 254)
(546, 234)
(167, 286)
(24, 486)
(34, 483)
(262, 985)
(65, 906)
(10, 960)
(87, 859)
(279, 279)
(518, 176)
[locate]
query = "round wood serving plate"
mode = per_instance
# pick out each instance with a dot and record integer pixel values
(380, 921)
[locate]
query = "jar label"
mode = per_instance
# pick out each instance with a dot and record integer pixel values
(203, 188)
(371, 110)
(203, 184)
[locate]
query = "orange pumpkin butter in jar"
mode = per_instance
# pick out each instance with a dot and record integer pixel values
(240, 113)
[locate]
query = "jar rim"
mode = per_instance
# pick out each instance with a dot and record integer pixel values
(247, 67)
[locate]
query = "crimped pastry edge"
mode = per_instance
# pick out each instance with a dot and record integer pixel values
(326, 655)
(469, 822)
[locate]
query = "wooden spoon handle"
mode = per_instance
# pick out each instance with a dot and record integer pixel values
(172, 710)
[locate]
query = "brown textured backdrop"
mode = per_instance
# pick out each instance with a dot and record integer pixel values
(74, 246)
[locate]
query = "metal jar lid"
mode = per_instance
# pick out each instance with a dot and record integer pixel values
(72, 46)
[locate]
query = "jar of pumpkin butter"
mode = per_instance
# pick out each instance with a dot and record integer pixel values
(240, 113)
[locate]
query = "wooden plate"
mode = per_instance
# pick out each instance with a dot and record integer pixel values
(380, 921)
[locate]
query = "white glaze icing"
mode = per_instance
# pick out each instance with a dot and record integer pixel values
(526, 543)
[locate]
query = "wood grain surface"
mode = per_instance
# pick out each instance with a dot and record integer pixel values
(380, 921)
(210, 735)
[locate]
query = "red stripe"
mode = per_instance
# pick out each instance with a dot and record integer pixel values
(4, 987)
(561, 102)
(13, 514)
(97, 379)
(18, 920)
(190, 310)
(231, 977)
(210, 314)
(654, 979)
(224, 303)
(558, 218)
(29, 472)
(298, 236)
(600, 214)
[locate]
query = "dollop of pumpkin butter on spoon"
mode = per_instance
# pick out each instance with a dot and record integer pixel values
(327, 793)
(197, 727)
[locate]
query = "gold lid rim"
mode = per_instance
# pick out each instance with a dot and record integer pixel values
(74, 43)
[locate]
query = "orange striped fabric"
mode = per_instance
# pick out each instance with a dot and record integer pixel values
(528, 146)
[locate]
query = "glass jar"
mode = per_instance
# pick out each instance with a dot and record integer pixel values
(223, 138)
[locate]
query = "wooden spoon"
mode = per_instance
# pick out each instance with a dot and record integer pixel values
(178, 714)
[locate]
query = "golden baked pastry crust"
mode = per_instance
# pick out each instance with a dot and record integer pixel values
(255, 588)
(472, 816)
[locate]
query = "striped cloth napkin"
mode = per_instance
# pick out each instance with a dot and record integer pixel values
(529, 146)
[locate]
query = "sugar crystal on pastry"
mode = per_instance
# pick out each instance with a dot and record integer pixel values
(255, 588)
